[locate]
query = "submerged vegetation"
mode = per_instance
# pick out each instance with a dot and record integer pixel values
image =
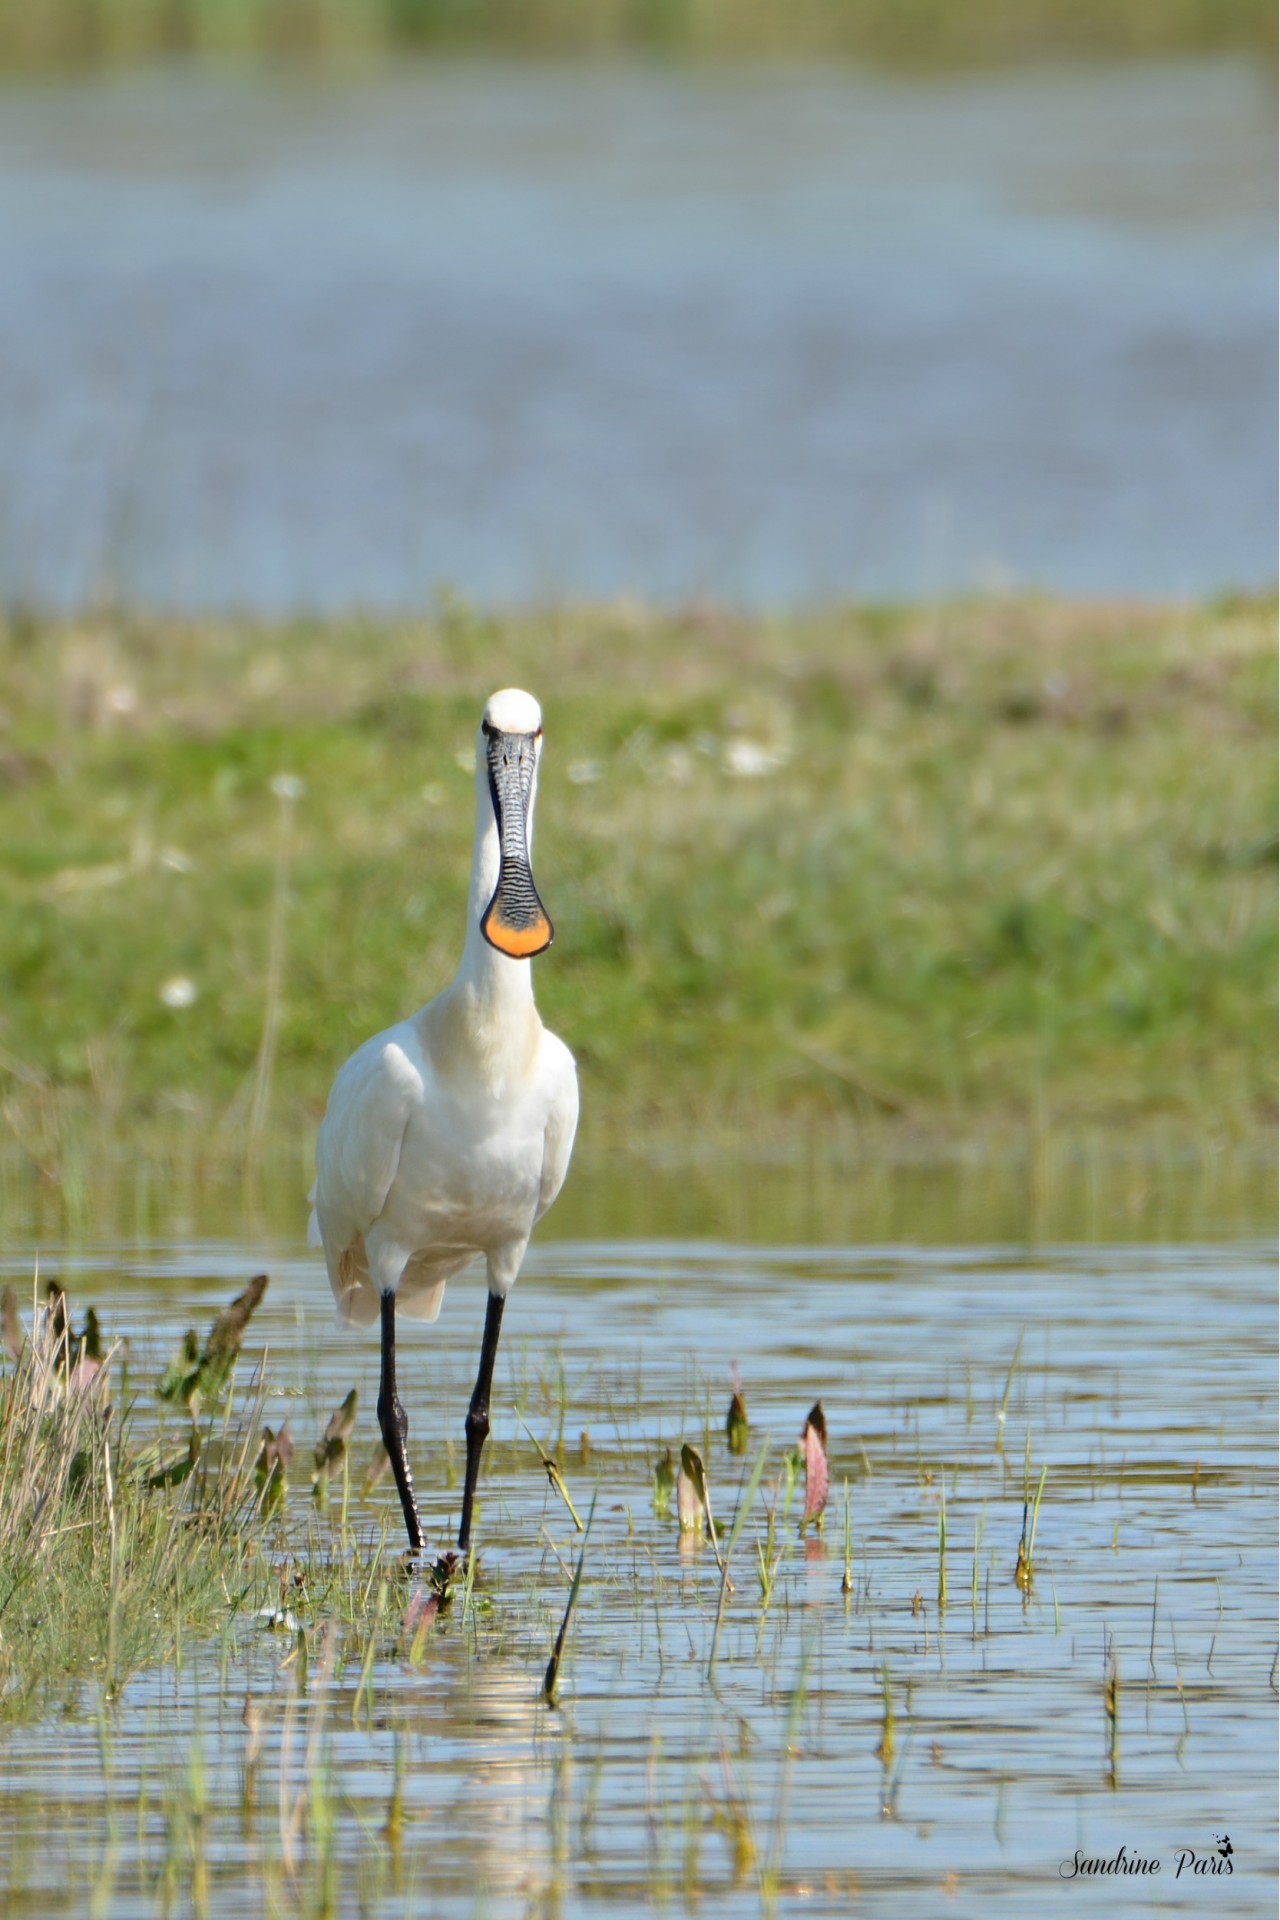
(988, 871)
(264, 1709)
(928, 33)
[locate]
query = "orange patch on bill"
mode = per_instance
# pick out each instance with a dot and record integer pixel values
(518, 942)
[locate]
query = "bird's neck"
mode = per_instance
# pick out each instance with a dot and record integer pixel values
(493, 991)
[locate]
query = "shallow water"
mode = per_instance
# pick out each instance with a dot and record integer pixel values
(1146, 1384)
(528, 331)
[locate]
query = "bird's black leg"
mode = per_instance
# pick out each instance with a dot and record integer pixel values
(478, 1412)
(394, 1422)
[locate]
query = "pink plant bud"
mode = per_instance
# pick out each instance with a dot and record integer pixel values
(815, 1464)
(418, 1615)
(688, 1505)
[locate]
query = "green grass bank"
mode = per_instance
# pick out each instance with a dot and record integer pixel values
(927, 34)
(943, 873)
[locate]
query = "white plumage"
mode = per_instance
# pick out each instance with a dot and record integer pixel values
(448, 1136)
(421, 1169)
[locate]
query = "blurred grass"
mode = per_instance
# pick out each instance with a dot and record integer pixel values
(941, 872)
(906, 33)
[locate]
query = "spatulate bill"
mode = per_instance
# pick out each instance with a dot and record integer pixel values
(515, 920)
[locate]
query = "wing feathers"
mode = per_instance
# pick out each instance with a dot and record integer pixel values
(358, 1147)
(562, 1124)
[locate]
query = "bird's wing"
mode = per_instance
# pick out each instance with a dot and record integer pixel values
(358, 1146)
(562, 1124)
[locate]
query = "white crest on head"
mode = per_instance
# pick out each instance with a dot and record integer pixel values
(512, 711)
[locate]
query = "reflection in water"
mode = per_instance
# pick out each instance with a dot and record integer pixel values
(845, 1190)
(478, 1749)
(850, 1743)
(768, 335)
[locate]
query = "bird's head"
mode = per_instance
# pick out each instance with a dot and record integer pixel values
(508, 748)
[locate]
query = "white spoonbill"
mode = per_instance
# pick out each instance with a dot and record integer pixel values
(449, 1135)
